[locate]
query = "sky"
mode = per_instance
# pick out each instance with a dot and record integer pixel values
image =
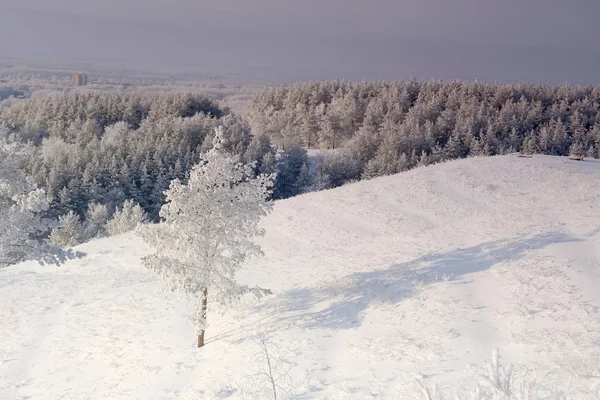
(536, 41)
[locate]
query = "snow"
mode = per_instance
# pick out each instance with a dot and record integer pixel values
(375, 284)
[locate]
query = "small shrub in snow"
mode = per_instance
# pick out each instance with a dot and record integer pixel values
(273, 374)
(496, 381)
(126, 219)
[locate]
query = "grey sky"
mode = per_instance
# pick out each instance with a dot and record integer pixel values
(501, 40)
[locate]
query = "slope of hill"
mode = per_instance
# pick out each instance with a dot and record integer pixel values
(375, 284)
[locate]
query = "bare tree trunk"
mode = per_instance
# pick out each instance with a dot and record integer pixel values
(204, 308)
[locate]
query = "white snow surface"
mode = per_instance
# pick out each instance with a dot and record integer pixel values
(375, 284)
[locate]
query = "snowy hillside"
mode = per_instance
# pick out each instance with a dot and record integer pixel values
(375, 284)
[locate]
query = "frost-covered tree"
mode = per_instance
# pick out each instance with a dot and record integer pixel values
(305, 180)
(96, 220)
(69, 231)
(341, 167)
(289, 167)
(207, 230)
(126, 219)
(21, 204)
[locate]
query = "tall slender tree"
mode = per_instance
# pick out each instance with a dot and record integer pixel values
(207, 230)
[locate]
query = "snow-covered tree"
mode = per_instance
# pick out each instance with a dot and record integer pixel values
(207, 230)
(21, 226)
(341, 167)
(69, 231)
(305, 179)
(289, 166)
(126, 219)
(96, 220)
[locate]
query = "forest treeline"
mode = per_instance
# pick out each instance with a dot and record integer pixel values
(103, 148)
(388, 127)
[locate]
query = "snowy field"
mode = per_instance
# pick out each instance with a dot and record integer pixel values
(377, 285)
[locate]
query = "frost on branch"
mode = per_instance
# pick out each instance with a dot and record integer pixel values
(207, 230)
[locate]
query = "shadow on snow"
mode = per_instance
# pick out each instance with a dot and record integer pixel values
(349, 297)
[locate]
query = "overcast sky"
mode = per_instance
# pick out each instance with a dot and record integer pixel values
(500, 40)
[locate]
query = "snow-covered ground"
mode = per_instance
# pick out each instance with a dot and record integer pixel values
(375, 284)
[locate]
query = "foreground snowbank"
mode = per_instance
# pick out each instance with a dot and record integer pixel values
(376, 284)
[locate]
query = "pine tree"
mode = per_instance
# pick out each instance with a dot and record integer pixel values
(577, 149)
(560, 139)
(126, 219)
(305, 179)
(69, 231)
(288, 169)
(96, 220)
(207, 230)
(530, 144)
(371, 170)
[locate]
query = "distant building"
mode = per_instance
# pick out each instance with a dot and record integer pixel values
(80, 79)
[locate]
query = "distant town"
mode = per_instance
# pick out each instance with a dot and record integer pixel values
(80, 79)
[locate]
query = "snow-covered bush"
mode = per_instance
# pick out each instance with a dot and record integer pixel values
(69, 232)
(126, 219)
(208, 229)
(496, 381)
(273, 373)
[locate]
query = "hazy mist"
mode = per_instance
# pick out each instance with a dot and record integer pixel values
(503, 40)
